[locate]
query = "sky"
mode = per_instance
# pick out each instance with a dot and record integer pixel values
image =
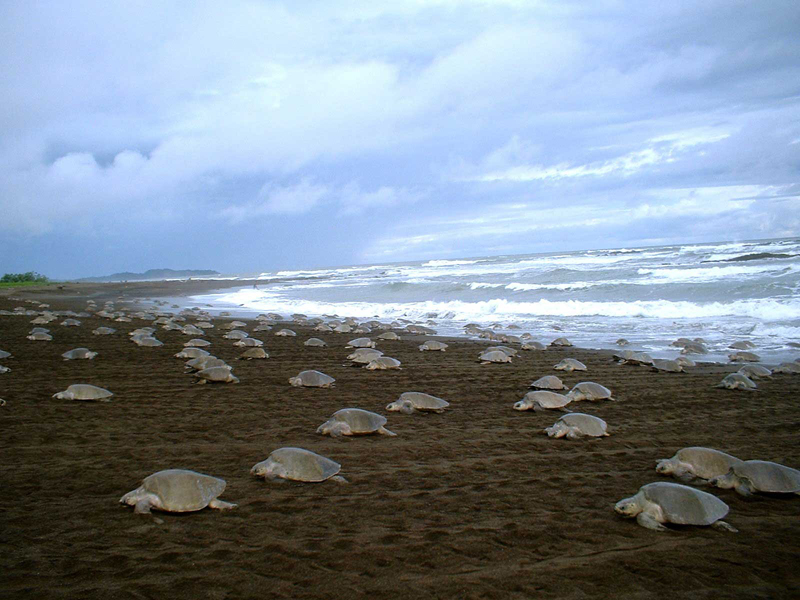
(255, 136)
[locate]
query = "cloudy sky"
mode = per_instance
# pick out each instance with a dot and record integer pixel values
(252, 136)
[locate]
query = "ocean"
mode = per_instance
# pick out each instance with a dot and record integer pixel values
(721, 292)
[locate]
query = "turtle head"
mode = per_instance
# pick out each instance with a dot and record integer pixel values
(394, 406)
(557, 430)
(264, 469)
(521, 405)
(724, 482)
(628, 507)
(665, 466)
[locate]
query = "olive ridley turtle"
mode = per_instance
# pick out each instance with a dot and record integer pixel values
(696, 462)
(312, 379)
(177, 490)
(737, 381)
(752, 476)
(216, 375)
(589, 390)
(665, 502)
(84, 391)
(543, 400)
(569, 365)
(411, 402)
(577, 425)
(297, 464)
(548, 382)
(354, 421)
(79, 353)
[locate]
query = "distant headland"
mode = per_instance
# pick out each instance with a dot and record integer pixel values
(153, 275)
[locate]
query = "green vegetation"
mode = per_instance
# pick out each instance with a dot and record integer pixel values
(16, 279)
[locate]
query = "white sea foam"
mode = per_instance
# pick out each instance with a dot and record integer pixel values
(768, 309)
(449, 263)
(683, 275)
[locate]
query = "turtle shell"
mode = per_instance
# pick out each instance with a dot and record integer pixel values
(382, 363)
(570, 364)
(589, 390)
(315, 343)
(706, 462)
(79, 353)
(360, 421)
(495, 356)
(684, 505)
(311, 379)
(422, 401)
(546, 399)
(85, 391)
(588, 425)
(298, 464)
(768, 476)
(182, 490)
(549, 382)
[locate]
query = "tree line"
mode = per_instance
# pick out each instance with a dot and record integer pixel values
(29, 277)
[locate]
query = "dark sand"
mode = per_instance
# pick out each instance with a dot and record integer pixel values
(473, 503)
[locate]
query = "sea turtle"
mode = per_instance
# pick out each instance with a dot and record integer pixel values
(694, 348)
(569, 365)
(589, 390)
(433, 345)
(84, 391)
(236, 334)
(383, 363)
(312, 379)
(495, 356)
(190, 330)
(354, 421)
(147, 342)
(104, 331)
(389, 335)
(543, 400)
(364, 355)
(685, 361)
(744, 357)
(668, 366)
(751, 476)
(696, 462)
(248, 343)
(742, 345)
(510, 351)
(285, 333)
(361, 343)
(40, 337)
(192, 353)
(410, 402)
(577, 425)
(737, 381)
(4, 369)
(755, 372)
(204, 362)
(622, 342)
(197, 343)
(78, 353)
(561, 342)
(787, 367)
(251, 353)
(216, 375)
(4, 354)
(548, 382)
(533, 345)
(233, 324)
(315, 343)
(177, 490)
(666, 502)
(297, 464)
(631, 357)
(71, 323)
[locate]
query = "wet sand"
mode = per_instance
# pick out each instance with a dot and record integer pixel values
(473, 503)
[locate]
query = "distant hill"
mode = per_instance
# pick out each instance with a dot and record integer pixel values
(153, 274)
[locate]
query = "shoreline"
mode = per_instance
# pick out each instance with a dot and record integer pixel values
(476, 502)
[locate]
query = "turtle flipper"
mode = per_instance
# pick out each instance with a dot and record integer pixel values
(649, 522)
(143, 506)
(384, 431)
(723, 526)
(221, 504)
(744, 488)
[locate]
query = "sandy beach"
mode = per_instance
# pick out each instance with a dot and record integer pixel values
(473, 503)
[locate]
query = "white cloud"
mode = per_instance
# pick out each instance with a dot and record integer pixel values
(275, 200)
